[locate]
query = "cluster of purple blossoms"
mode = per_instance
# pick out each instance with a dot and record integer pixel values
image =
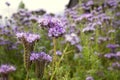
(87, 5)
(110, 55)
(113, 53)
(30, 38)
(5, 69)
(72, 38)
(112, 3)
(40, 56)
(54, 25)
(113, 47)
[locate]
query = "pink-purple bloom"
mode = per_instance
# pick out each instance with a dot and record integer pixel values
(28, 36)
(54, 25)
(110, 55)
(72, 38)
(58, 52)
(112, 3)
(34, 56)
(112, 47)
(118, 54)
(40, 56)
(56, 31)
(5, 69)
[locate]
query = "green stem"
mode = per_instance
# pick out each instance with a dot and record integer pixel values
(54, 41)
(54, 58)
(54, 53)
(26, 57)
(58, 63)
(27, 76)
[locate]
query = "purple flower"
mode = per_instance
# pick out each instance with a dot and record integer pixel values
(116, 65)
(110, 55)
(58, 52)
(89, 3)
(64, 20)
(5, 69)
(32, 37)
(33, 18)
(118, 54)
(79, 47)
(89, 78)
(34, 56)
(28, 36)
(88, 29)
(112, 47)
(56, 31)
(112, 3)
(86, 7)
(54, 25)
(45, 57)
(40, 56)
(20, 35)
(72, 38)
(44, 21)
(84, 16)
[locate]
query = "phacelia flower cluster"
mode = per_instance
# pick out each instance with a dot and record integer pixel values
(112, 47)
(72, 38)
(5, 69)
(54, 25)
(28, 37)
(40, 56)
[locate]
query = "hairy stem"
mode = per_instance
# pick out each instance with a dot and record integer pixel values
(54, 58)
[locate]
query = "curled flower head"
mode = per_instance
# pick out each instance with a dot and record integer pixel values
(5, 69)
(28, 37)
(40, 56)
(54, 25)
